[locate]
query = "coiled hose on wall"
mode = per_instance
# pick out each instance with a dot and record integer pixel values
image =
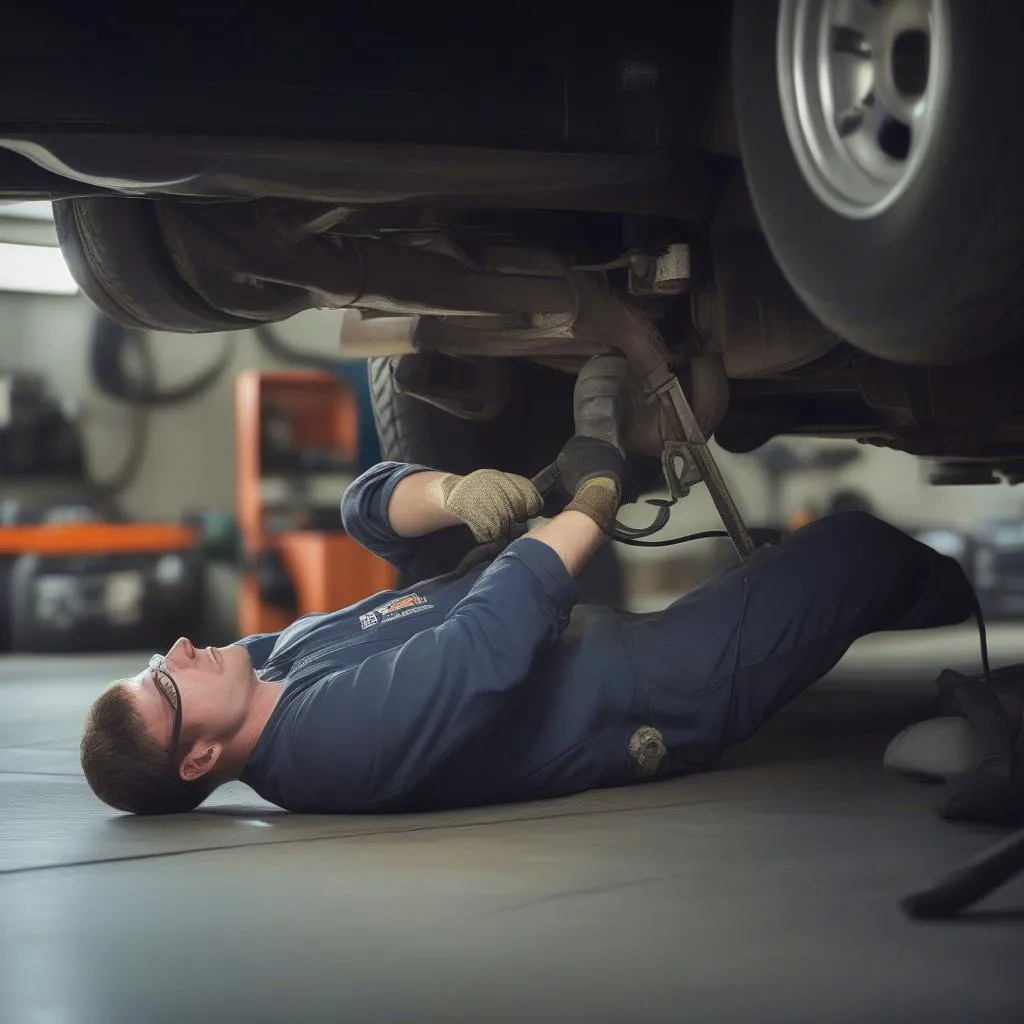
(111, 348)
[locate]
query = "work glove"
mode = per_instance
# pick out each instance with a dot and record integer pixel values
(590, 474)
(490, 502)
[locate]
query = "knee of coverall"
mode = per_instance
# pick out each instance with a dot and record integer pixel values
(938, 592)
(857, 532)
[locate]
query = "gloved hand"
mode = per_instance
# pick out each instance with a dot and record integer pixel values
(590, 474)
(490, 502)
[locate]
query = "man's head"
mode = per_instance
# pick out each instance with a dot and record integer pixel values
(204, 695)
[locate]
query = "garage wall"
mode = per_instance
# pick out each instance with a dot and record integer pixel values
(897, 483)
(190, 453)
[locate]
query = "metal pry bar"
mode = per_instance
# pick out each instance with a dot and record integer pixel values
(639, 341)
(671, 395)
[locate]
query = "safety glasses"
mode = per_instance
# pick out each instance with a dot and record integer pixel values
(164, 682)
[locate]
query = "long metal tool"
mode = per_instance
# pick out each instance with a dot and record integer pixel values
(605, 318)
(672, 397)
(641, 343)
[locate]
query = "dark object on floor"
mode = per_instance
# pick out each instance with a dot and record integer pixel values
(994, 791)
(976, 879)
(976, 749)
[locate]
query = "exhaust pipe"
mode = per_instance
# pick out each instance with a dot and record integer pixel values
(367, 338)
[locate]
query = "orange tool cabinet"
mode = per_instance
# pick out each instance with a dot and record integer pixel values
(327, 569)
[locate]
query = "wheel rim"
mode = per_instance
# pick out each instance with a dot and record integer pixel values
(863, 86)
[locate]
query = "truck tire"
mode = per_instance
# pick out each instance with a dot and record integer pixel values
(116, 254)
(411, 430)
(897, 210)
(523, 438)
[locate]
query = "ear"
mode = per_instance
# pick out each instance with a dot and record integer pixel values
(199, 761)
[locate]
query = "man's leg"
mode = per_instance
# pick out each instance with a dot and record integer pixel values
(719, 662)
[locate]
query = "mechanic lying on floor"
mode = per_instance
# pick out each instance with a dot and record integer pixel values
(489, 684)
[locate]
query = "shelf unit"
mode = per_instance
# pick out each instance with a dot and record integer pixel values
(328, 569)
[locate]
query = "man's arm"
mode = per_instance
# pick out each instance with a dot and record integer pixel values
(366, 513)
(573, 536)
(417, 505)
(391, 506)
(372, 732)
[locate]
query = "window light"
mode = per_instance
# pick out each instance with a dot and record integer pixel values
(39, 269)
(41, 210)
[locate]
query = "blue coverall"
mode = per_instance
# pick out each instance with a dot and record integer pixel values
(489, 684)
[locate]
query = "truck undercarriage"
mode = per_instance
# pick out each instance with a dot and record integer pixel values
(814, 206)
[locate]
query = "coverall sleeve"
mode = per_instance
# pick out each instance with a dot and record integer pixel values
(372, 732)
(364, 514)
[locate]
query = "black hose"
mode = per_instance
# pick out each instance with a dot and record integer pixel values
(110, 346)
(123, 477)
(979, 619)
(111, 342)
(633, 542)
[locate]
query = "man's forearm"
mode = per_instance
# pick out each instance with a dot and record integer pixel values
(416, 506)
(573, 536)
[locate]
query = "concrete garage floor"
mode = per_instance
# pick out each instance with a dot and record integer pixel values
(764, 891)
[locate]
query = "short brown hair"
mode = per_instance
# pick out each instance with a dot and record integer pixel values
(125, 767)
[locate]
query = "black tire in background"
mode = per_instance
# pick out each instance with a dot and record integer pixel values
(523, 438)
(938, 276)
(410, 430)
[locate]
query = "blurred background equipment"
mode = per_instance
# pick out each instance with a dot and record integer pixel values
(996, 552)
(297, 450)
(38, 437)
(75, 574)
(123, 368)
(991, 552)
(780, 462)
(102, 586)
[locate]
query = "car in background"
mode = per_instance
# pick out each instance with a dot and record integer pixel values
(817, 207)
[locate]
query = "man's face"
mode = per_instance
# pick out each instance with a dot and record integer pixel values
(216, 685)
